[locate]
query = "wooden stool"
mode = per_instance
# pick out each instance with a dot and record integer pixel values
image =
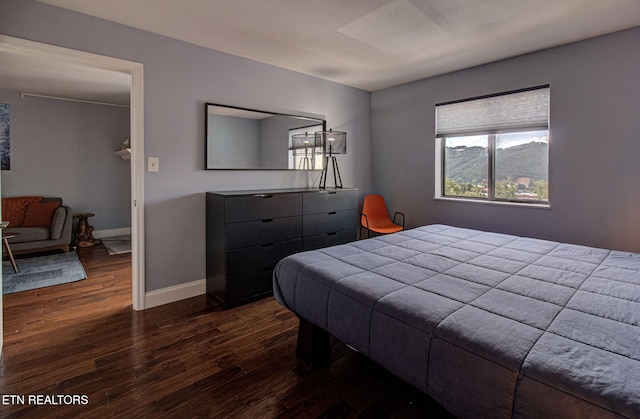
(5, 242)
(84, 232)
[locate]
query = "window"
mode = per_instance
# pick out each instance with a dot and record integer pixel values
(494, 148)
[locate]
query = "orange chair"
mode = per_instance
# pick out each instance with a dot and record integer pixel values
(375, 217)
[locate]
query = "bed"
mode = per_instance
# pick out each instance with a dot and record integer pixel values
(489, 325)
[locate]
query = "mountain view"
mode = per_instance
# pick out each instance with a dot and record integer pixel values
(520, 171)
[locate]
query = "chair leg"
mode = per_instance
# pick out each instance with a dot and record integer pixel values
(368, 232)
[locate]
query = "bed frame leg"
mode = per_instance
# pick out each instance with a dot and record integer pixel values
(313, 344)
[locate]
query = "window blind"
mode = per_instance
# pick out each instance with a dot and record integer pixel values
(505, 112)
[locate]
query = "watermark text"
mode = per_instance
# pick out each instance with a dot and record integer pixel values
(44, 399)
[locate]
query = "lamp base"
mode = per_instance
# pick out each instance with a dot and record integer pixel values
(336, 173)
(305, 164)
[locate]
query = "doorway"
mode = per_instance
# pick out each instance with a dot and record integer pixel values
(28, 48)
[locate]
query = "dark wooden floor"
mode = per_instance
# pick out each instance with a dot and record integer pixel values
(186, 359)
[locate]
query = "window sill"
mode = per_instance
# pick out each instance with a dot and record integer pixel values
(486, 202)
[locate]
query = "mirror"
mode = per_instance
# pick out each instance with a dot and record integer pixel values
(247, 139)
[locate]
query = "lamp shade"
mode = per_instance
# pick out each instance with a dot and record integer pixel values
(302, 141)
(333, 142)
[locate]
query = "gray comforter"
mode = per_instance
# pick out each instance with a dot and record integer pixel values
(489, 325)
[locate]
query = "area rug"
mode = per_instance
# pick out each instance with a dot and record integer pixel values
(42, 271)
(117, 245)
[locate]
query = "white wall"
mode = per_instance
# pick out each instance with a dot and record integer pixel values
(66, 149)
(178, 79)
(594, 161)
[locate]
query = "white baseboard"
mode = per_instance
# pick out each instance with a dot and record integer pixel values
(175, 293)
(164, 295)
(101, 234)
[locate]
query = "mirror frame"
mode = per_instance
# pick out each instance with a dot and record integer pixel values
(296, 114)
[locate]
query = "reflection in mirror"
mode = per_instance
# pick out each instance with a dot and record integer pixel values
(246, 139)
(306, 152)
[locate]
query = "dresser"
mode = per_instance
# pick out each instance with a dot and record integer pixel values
(248, 232)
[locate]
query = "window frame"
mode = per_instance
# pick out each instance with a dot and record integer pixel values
(440, 156)
(317, 152)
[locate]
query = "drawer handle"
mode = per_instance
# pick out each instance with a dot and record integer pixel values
(333, 213)
(332, 234)
(263, 195)
(267, 245)
(333, 193)
(267, 220)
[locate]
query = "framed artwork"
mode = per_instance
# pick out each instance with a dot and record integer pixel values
(5, 150)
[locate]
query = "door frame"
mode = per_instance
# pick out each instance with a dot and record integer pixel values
(37, 49)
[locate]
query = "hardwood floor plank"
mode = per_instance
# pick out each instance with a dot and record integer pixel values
(185, 359)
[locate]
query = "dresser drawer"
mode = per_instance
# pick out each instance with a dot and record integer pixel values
(328, 201)
(257, 258)
(257, 233)
(330, 222)
(262, 206)
(249, 231)
(329, 239)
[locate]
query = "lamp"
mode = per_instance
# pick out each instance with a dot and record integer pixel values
(332, 142)
(303, 142)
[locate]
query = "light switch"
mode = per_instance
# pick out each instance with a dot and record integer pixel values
(153, 164)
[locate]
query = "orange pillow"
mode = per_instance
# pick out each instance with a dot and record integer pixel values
(13, 208)
(39, 214)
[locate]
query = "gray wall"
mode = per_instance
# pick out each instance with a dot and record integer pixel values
(66, 149)
(594, 162)
(274, 146)
(232, 142)
(178, 79)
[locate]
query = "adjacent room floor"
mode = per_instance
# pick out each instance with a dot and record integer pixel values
(189, 358)
(118, 244)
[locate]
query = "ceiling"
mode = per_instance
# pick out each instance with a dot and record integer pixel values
(369, 44)
(43, 76)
